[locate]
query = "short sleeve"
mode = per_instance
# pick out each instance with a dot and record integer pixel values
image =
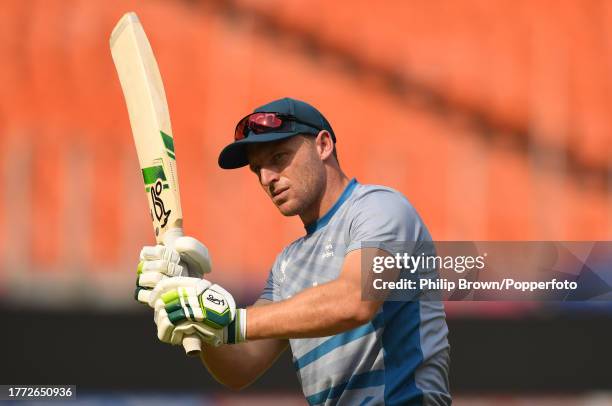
(271, 289)
(381, 217)
(268, 290)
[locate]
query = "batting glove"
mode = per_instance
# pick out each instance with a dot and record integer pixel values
(189, 257)
(187, 306)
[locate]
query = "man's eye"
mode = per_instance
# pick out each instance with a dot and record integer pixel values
(278, 158)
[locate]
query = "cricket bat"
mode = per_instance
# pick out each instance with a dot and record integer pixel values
(150, 121)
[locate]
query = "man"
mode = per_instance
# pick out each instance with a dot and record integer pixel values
(346, 350)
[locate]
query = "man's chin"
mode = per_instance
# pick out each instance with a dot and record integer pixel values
(287, 209)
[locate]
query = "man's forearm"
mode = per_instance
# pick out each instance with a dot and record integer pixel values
(325, 310)
(237, 366)
(320, 311)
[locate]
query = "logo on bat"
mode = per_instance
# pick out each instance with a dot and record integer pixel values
(158, 204)
(155, 182)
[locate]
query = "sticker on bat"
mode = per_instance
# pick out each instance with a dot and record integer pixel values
(169, 144)
(161, 214)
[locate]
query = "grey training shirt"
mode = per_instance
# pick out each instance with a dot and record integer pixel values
(401, 357)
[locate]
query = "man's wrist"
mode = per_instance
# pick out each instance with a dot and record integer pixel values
(237, 328)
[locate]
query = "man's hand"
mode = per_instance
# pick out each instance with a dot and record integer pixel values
(160, 262)
(186, 306)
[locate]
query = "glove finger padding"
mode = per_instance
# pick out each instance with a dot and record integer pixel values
(142, 294)
(149, 253)
(145, 282)
(160, 266)
(168, 333)
(164, 326)
(155, 263)
(149, 280)
(183, 304)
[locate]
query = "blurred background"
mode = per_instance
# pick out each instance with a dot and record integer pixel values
(492, 117)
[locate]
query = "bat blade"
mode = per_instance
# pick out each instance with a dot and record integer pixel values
(150, 121)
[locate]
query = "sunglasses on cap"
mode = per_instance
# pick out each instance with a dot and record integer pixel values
(263, 122)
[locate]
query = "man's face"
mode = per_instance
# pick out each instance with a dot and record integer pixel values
(290, 172)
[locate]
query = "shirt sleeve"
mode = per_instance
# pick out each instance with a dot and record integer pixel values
(384, 219)
(268, 290)
(271, 288)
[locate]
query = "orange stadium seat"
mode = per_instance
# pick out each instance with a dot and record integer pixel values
(494, 94)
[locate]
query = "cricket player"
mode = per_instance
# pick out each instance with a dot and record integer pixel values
(346, 351)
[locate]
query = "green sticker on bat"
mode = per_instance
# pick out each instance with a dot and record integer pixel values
(152, 173)
(169, 143)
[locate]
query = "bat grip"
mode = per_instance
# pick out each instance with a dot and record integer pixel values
(192, 344)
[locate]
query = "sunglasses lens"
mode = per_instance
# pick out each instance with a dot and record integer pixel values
(259, 123)
(262, 122)
(239, 133)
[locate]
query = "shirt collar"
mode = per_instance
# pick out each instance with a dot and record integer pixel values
(322, 222)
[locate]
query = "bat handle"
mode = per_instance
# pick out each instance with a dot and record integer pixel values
(192, 345)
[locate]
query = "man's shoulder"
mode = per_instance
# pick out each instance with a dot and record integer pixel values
(379, 197)
(383, 213)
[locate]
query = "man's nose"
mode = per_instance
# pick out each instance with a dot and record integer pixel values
(268, 176)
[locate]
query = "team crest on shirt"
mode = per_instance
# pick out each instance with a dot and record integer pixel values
(328, 250)
(283, 267)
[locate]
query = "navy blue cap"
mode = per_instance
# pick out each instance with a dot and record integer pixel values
(235, 154)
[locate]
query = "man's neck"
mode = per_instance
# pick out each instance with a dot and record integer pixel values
(335, 185)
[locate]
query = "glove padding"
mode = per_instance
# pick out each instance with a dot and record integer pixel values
(160, 262)
(214, 337)
(186, 306)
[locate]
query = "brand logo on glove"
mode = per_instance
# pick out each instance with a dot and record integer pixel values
(217, 301)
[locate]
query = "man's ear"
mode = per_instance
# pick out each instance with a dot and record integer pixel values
(324, 144)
